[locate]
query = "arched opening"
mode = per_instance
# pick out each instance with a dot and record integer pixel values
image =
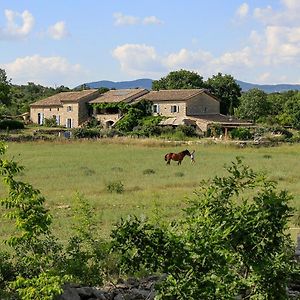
(109, 124)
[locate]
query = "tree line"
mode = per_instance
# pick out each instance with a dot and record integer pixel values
(255, 105)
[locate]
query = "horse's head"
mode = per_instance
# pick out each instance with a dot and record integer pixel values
(187, 152)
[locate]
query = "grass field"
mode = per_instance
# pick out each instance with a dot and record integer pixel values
(61, 169)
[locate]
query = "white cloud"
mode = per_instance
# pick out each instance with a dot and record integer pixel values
(58, 31)
(121, 20)
(47, 71)
(242, 11)
(138, 60)
(152, 20)
(187, 59)
(143, 60)
(12, 28)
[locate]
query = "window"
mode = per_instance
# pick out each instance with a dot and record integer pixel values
(58, 109)
(40, 118)
(174, 108)
(50, 109)
(69, 123)
(69, 108)
(156, 108)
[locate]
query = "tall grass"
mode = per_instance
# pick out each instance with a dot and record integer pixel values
(61, 169)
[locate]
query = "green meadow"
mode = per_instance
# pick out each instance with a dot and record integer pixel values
(61, 170)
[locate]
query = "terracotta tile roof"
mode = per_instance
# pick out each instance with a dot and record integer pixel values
(122, 95)
(179, 95)
(58, 99)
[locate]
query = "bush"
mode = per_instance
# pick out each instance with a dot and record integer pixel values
(7, 271)
(51, 122)
(115, 187)
(241, 133)
(232, 242)
(89, 133)
(187, 130)
(148, 171)
(11, 124)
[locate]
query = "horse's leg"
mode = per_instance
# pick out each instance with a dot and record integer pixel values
(168, 162)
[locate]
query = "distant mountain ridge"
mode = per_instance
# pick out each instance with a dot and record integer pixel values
(146, 83)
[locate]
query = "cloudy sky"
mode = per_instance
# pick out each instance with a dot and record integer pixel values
(69, 42)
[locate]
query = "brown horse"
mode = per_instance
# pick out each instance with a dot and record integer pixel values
(176, 156)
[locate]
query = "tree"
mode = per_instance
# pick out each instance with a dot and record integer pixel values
(292, 112)
(5, 87)
(181, 79)
(103, 90)
(254, 105)
(226, 89)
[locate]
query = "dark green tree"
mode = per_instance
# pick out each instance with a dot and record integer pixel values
(227, 90)
(181, 79)
(5, 86)
(103, 90)
(291, 112)
(254, 105)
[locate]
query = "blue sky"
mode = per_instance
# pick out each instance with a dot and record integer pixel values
(69, 42)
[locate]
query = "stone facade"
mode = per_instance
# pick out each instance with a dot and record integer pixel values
(70, 109)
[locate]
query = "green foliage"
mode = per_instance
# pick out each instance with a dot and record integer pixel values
(292, 110)
(241, 133)
(225, 88)
(23, 95)
(83, 132)
(5, 88)
(85, 254)
(181, 79)
(51, 122)
(232, 241)
(44, 286)
(39, 266)
(115, 187)
(148, 171)
(133, 116)
(215, 130)
(7, 270)
(103, 90)
(11, 124)
(254, 105)
(187, 130)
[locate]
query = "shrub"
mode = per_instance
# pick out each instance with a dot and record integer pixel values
(11, 124)
(51, 122)
(86, 133)
(187, 130)
(115, 187)
(241, 133)
(223, 248)
(148, 171)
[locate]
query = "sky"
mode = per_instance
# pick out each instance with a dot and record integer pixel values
(71, 42)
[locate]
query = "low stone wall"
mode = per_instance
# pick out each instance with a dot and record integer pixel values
(131, 289)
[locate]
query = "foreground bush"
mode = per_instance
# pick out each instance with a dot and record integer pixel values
(39, 264)
(228, 244)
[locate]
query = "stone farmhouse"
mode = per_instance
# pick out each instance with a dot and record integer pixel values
(70, 109)
(196, 107)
